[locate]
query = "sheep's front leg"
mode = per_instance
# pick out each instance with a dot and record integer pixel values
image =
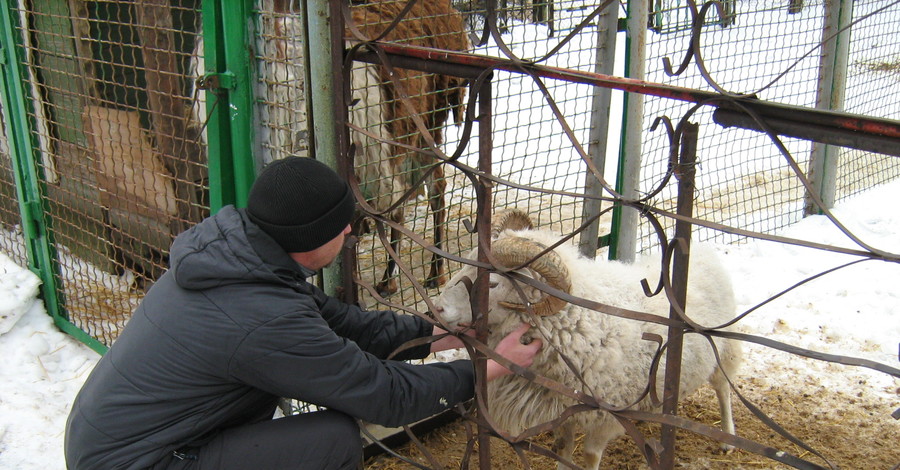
(564, 443)
(723, 393)
(595, 442)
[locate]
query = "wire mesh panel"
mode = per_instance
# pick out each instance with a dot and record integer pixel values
(873, 88)
(542, 128)
(771, 50)
(395, 115)
(526, 131)
(123, 169)
(280, 91)
(11, 243)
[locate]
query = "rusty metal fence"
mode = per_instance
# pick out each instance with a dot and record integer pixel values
(813, 54)
(529, 139)
(125, 122)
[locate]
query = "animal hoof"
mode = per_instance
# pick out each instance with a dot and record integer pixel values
(435, 282)
(387, 288)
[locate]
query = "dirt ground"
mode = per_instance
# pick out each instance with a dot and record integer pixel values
(852, 432)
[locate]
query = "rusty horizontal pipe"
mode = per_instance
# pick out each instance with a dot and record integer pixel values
(841, 136)
(470, 65)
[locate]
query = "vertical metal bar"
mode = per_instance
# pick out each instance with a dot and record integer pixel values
(218, 135)
(24, 155)
(325, 31)
(597, 140)
(337, 147)
(237, 24)
(623, 242)
(24, 152)
(324, 84)
(230, 128)
(481, 288)
(679, 285)
(833, 65)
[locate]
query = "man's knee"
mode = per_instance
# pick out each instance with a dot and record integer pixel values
(345, 429)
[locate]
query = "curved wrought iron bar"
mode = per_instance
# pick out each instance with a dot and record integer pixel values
(354, 29)
(694, 49)
(587, 402)
(623, 415)
(813, 195)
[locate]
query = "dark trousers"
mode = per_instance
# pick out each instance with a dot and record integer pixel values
(308, 441)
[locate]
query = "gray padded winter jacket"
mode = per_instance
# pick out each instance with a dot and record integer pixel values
(231, 327)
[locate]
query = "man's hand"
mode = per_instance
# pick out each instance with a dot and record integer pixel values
(513, 347)
(449, 341)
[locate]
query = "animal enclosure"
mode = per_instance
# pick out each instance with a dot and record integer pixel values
(124, 123)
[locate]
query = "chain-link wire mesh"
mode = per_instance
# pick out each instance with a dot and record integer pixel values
(873, 89)
(526, 132)
(11, 243)
(281, 103)
(772, 50)
(540, 126)
(123, 170)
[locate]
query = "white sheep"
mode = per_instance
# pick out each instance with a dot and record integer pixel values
(611, 361)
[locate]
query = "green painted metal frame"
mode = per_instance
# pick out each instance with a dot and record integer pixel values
(230, 136)
(229, 68)
(36, 226)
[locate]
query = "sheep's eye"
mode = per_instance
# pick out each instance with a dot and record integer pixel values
(494, 284)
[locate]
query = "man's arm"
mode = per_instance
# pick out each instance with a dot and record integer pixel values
(378, 332)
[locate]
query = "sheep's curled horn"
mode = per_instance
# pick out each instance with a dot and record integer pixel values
(513, 219)
(512, 252)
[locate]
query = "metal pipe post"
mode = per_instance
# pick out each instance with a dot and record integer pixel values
(625, 222)
(686, 170)
(833, 65)
(481, 288)
(599, 129)
(325, 30)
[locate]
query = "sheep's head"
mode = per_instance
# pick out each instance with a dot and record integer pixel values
(512, 249)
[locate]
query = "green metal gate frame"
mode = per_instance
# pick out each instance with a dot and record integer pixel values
(231, 165)
(40, 249)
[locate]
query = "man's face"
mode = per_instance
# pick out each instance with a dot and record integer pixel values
(323, 255)
(333, 248)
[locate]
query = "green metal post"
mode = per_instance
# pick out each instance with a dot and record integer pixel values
(229, 79)
(24, 154)
(216, 81)
(237, 24)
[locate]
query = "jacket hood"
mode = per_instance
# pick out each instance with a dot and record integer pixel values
(228, 248)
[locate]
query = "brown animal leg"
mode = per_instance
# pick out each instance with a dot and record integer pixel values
(436, 276)
(388, 284)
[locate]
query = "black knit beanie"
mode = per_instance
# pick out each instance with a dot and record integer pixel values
(301, 203)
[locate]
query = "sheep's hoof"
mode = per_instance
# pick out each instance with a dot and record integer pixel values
(726, 448)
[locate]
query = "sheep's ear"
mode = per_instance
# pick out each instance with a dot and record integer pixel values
(510, 219)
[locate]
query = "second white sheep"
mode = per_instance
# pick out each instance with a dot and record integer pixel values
(609, 359)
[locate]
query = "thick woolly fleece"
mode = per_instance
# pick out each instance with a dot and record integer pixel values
(230, 328)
